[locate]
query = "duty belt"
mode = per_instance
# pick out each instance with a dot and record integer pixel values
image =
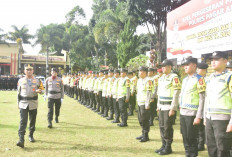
(28, 98)
(53, 92)
(165, 102)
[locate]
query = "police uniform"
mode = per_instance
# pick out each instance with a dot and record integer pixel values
(28, 104)
(114, 92)
(201, 126)
(95, 91)
(144, 93)
(123, 95)
(90, 89)
(191, 107)
(132, 100)
(168, 92)
(109, 95)
(218, 111)
(104, 95)
(55, 92)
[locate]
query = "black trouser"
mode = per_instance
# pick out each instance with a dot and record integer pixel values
(75, 92)
(153, 106)
(83, 95)
(132, 102)
(80, 94)
(143, 117)
(189, 133)
(201, 133)
(96, 101)
(91, 98)
(116, 109)
(24, 118)
(51, 103)
(105, 106)
(165, 124)
(99, 104)
(123, 109)
(217, 139)
(87, 97)
(110, 105)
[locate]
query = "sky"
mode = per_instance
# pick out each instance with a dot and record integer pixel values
(33, 13)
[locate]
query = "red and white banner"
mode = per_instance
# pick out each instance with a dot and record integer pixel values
(199, 27)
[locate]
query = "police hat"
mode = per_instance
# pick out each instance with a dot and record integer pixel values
(219, 54)
(142, 68)
(110, 70)
(101, 71)
(151, 69)
(123, 70)
(189, 60)
(229, 64)
(28, 66)
(166, 62)
(202, 66)
(105, 72)
(54, 69)
(116, 71)
(130, 73)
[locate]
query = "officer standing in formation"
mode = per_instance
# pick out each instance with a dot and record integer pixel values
(144, 89)
(55, 94)
(132, 100)
(191, 106)
(28, 89)
(218, 107)
(111, 80)
(202, 70)
(168, 93)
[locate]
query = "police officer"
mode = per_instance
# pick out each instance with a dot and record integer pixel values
(144, 93)
(218, 107)
(168, 93)
(132, 100)
(104, 95)
(95, 91)
(191, 106)
(229, 66)
(202, 70)
(55, 93)
(111, 80)
(100, 107)
(28, 89)
(114, 95)
(123, 95)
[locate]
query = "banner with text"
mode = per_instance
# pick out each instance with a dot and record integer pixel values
(199, 27)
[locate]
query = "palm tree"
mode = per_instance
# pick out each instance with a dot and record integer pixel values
(2, 37)
(20, 36)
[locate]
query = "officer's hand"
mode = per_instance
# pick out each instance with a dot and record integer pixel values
(62, 101)
(116, 99)
(132, 94)
(196, 121)
(171, 113)
(157, 109)
(204, 122)
(126, 100)
(147, 107)
(38, 91)
(229, 128)
(45, 97)
(152, 100)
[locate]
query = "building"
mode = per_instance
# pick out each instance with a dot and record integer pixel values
(9, 61)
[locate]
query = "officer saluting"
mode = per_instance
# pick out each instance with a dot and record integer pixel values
(55, 94)
(28, 89)
(218, 108)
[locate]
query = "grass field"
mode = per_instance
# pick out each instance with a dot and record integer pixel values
(80, 132)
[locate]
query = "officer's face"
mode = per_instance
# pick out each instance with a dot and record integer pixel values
(53, 73)
(219, 64)
(150, 73)
(110, 74)
(116, 74)
(190, 68)
(166, 69)
(142, 74)
(123, 74)
(28, 72)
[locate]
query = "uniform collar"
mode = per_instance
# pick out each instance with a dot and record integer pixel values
(225, 71)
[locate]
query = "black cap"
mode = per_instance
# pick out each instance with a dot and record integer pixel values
(219, 54)
(189, 60)
(151, 69)
(116, 71)
(166, 62)
(101, 71)
(202, 66)
(105, 72)
(142, 68)
(134, 71)
(124, 70)
(229, 64)
(111, 71)
(27, 66)
(54, 69)
(130, 73)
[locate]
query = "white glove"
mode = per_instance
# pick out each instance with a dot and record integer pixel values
(45, 97)
(62, 101)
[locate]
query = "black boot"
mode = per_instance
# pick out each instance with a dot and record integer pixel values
(56, 120)
(31, 138)
(20, 143)
(50, 124)
(110, 117)
(201, 147)
(116, 121)
(145, 138)
(162, 147)
(167, 150)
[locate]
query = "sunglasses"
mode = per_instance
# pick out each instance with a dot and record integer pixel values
(28, 69)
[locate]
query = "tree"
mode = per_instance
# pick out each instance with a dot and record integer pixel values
(74, 16)
(136, 62)
(3, 38)
(20, 36)
(127, 45)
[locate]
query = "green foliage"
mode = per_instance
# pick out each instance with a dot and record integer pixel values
(136, 62)
(3, 37)
(74, 16)
(128, 42)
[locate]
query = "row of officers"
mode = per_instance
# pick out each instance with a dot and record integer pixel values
(205, 104)
(8, 82)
